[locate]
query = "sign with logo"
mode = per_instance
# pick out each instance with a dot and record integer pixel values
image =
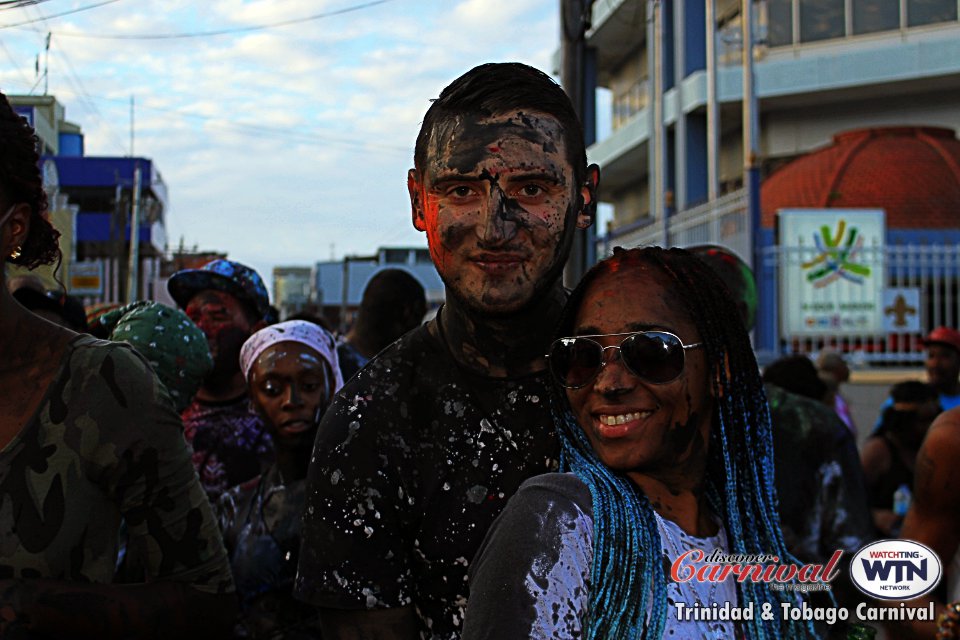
(832, 271)
(895, 569)
(86, 278)
(901, 310)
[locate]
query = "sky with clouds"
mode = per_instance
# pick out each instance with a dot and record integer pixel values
(279, 146)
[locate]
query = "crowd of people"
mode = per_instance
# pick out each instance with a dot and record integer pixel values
(527, 463)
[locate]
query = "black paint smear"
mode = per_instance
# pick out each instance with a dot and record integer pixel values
(109, 375)
(469, 141)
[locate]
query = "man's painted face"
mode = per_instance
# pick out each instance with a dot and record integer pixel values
(498, 202)
(225, 322)
(943, 366)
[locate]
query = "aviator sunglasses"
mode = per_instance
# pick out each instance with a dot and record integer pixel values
(655, 356)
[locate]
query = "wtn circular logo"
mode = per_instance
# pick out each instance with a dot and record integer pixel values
(895, 569)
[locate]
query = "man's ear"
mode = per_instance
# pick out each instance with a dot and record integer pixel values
(589, 193)
(414, 188)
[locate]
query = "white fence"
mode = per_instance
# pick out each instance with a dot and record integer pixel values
(921, 292)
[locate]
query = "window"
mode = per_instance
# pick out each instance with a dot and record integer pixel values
(821, 20)
(870, 16)
(779, 22)
(921, 12)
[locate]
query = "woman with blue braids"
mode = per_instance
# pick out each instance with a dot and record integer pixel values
(666, 448)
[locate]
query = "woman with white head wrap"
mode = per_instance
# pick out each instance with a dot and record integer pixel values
(292, 372)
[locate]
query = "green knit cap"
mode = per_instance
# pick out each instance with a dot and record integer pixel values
(174, 346)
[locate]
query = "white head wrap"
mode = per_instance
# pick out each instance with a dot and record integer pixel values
(301, 331)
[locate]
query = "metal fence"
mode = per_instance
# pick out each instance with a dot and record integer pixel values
(921, 292)
(924, 278)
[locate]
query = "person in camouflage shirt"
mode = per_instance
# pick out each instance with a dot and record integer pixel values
(88, 436)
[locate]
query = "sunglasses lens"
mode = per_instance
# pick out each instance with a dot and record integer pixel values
(654, 356)
(575, 361)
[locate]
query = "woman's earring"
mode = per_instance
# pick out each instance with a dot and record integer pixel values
(16, 252)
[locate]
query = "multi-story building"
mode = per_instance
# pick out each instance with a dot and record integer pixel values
(91, 205)
(821, 67)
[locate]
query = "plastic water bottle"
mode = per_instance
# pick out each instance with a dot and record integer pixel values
(901, 500)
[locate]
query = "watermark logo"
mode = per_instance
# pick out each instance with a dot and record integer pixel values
(895, 569)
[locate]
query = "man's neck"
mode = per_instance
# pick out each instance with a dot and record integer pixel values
(505, 346)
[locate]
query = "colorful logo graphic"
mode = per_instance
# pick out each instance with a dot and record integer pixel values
(837, 257)
(895, 569)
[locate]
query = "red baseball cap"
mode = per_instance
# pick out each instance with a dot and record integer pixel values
(944, 335)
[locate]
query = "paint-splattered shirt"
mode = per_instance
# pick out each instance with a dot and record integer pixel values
(532, 576)
(106, 444)
(230, 443)
(413, 461)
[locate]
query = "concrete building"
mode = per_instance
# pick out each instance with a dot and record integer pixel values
(821, 68)
(91, 205)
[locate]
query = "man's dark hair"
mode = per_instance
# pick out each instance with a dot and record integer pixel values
(796, 374)
(393, 303)
(908, 397)
(20, 181)
(502, 87)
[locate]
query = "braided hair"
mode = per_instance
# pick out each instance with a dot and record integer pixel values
(627, 574)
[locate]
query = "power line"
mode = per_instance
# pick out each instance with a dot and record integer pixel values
(220, 32)
(57, 15)
(16, 4)
(296, 135)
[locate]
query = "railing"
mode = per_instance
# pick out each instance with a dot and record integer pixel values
(921, 292)
(723, 222)
(921, 282)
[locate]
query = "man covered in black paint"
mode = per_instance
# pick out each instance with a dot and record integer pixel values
(422, 449)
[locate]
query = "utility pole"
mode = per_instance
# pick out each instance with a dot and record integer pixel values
(713, 111)
(131, 126)
(46, 66)
(133, 270)
(763, 338)
(658, 131)
(578, 77)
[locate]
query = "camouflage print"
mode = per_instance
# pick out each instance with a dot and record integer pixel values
(106, 444)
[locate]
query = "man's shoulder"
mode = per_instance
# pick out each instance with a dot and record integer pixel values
(943, 438)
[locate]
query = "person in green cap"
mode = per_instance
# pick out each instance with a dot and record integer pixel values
(174, 346)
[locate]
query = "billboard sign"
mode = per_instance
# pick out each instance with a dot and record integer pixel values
(832, 275)
(86, 278)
